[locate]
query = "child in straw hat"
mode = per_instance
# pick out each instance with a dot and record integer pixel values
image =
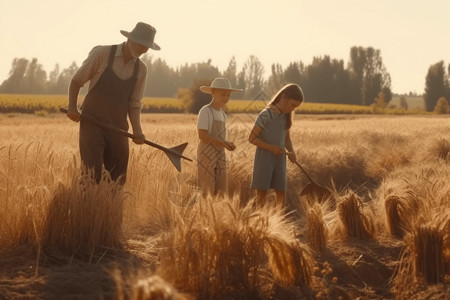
(211, 158)
(271, 136)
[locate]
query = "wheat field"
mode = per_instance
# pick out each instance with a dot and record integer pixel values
(384, 235)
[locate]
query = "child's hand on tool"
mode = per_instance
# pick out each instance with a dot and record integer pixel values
(291, 155)
(229, 145)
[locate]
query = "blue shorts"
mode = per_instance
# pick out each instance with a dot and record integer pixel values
(269, 171)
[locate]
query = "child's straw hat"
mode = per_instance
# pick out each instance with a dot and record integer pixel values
(219, 83)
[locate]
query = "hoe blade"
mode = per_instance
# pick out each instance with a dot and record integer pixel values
(175, 158)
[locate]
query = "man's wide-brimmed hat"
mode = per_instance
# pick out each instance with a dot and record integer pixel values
(143, 34)
(219, 83)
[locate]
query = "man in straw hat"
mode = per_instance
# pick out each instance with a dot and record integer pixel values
(117, 79)
(211, 159)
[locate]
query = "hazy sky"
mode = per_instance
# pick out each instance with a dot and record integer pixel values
(411, 34)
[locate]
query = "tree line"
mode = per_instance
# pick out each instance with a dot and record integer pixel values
(325, 80)
(437, 85)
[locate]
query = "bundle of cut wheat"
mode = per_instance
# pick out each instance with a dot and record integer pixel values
(223, 250)
(424, 259)
(84, 217)
(155, 288)
(400, 212)
(356, 224)
(317, 229)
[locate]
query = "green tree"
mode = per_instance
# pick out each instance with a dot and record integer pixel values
(162, 81)
(403, 103)
(447, 84)
(53, 80)
(207, 70)
(276, 79)
(35, 79)
(379, 104)
(13, 83)
(241, 84)
(187, 74)
(231, 74)
(253, 71)
(294, 73)
(26, 77)
(326, 80)
(370, 74)
(231, 71)
(196, 99)
(436, 85)
(64, 78)
(441, 106)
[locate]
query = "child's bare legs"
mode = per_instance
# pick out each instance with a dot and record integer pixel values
(220, 181)
(260, 197)
(205, 183)
(280, 198)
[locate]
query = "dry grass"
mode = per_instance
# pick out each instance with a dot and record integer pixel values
(317, 228)
(424, 259)
(441, 149)
(429, 254)
(25, 192)
(62, 234)
(400, 215)
(147, 288)
(356, 222)
(84, 217)
(224, 250)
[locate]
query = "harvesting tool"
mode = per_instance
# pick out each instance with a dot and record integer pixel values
(174, 154)
(320, 192)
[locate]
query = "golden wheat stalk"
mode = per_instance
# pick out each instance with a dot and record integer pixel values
(317, 229)
(223, 249)
(428, 254)
(396, 216)
(424, 259)
(356, 223)
(84, 217)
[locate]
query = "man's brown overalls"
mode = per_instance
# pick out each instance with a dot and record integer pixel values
(107, 102)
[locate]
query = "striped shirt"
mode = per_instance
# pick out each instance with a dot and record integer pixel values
(96, 62)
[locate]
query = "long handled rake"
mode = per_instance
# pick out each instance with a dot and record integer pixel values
(313, 187)
(320, 192)
(174, 154)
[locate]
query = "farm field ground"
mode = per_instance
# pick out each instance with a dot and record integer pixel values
(384, 235)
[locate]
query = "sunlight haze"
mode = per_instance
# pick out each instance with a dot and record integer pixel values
(411, 35)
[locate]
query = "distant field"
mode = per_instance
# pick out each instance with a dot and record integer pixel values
(414, 102)
(44, 104)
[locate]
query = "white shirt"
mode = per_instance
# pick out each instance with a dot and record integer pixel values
(97, 61)
(207, 115)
